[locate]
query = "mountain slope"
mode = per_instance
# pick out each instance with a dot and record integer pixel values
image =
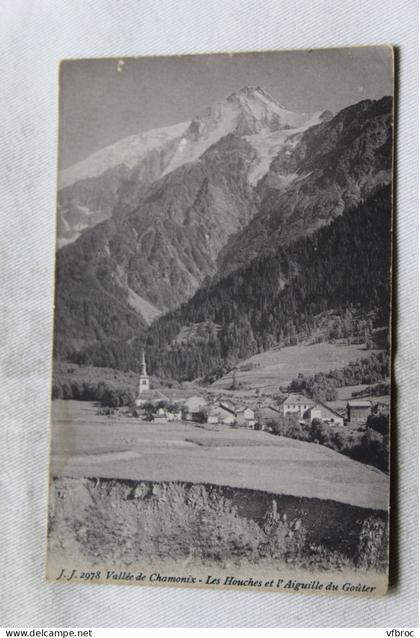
(316, 176)
(89, 190)
(344, 267)
(159, 254)
(114, 178)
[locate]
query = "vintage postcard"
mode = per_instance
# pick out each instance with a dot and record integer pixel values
(221, 373)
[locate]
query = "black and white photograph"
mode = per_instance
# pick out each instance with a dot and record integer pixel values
(221, 378)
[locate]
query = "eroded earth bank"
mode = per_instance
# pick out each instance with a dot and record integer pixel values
(141, 522)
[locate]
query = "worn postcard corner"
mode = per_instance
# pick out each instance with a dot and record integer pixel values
(221, 376)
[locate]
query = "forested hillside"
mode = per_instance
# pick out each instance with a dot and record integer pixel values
(344, 267)
(151, 260)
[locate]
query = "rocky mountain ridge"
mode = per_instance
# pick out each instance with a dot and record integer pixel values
(315, 177)
(113, 180)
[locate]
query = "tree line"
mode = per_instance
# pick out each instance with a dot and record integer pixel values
(105, 394)
(370, 446)
(323, 385)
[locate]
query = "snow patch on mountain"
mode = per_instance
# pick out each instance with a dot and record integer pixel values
(249, 111)
(129, 151)
(201, 134)
(260, 104)
(112, 180)
(268, 145)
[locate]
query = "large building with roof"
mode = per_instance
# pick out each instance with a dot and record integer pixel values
(307, 409)
(358, 411)
(296, 404)
(150, 396)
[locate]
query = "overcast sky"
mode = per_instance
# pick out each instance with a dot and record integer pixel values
(104, 100)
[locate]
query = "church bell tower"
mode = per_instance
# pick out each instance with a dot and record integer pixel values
(144, 383)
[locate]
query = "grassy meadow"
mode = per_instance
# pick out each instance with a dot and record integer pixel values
(279, 366)
(85, 444)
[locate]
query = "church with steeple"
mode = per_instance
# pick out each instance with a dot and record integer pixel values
(145, 394)
(144, 382)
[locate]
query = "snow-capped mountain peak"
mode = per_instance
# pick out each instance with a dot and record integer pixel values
(255, 93)
(112, 177)
(249, 111)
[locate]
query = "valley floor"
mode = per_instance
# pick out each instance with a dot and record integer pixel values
(86, 444)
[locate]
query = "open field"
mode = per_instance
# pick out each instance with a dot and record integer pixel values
(345, 394)
(85, 444)
(279, 366)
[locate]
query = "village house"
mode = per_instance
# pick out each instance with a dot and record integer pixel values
(175, 415)
(269, 412)
(212, 416)
(324, 413)
(179, 395)
(215, 413)
(358, 411)
(295, 404)
(150, 396)
(245, 417)
(193, 404)
(192, 408)
(160, 416)
(226, 416)
(165, 415)
(227, 404)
